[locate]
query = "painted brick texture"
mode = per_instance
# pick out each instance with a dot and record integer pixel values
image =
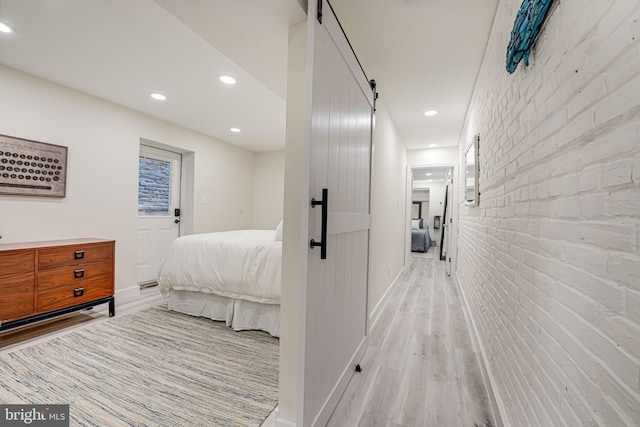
(549, 263)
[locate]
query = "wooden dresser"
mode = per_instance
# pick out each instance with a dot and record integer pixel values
(40, 280)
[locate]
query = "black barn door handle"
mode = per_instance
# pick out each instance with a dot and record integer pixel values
(323, 237)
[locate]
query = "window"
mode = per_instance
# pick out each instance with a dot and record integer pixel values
(154, 187)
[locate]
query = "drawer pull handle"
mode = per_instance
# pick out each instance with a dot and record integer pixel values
(78, 274)
(78, 255)
(78, 292)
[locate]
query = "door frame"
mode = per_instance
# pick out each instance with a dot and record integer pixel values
(156, 232)
(186, 182)
(452, 208)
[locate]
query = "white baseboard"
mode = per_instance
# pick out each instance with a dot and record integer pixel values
(377, 310)
(497, 404)
(283, 422)
(128, 294)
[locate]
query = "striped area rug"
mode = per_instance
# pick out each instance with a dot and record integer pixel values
(151, 368)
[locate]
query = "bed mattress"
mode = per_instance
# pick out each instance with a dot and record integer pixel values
(239, 264)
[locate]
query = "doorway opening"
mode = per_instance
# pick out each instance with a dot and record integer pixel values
(431, 189)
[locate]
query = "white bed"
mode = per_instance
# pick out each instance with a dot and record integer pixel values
(232, 276)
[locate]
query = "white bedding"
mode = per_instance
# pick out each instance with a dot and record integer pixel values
(240, 264)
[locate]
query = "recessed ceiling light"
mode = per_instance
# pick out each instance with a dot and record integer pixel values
(430, 113)
(4, 28)
(158, 96)
(228, 80)
(429, 174)
(433, 145)
(235, 130)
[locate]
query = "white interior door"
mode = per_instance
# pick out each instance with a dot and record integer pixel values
(340, 175)
(158, 199)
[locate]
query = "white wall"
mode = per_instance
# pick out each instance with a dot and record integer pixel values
(268, 189)
(436, 207)
(103, 140)
(445, 156)
(421, 195)
(388, 208)
(549, 263)
(294, 243)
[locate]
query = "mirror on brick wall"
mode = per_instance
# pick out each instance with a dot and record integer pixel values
(471, 171)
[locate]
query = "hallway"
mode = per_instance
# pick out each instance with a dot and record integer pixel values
(420, 368)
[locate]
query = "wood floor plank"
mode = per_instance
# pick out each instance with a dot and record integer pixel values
(420, 368)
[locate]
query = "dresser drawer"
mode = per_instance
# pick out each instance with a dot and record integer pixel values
(68, 296)
(16, 262)
(74, 254)
(16, 297)
(75, 275)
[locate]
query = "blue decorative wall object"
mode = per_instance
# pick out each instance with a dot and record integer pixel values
(525, 30)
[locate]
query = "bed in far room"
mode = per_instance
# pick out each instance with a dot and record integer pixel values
(420, 238)
(230, 276)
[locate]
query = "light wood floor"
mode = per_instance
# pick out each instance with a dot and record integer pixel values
(420, 368)
(432, 253)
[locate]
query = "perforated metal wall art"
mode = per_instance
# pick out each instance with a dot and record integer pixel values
(32, 168)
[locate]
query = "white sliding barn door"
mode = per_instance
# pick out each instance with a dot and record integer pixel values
(340, 162)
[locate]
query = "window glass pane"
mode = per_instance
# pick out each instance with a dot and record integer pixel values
(154, 187)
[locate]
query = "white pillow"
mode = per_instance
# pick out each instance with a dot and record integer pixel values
(415, 223)
(279, 231)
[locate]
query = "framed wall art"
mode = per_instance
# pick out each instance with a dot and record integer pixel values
(32, 168)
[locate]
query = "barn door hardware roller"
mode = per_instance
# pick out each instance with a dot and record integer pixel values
(323, 238)
(319, 14)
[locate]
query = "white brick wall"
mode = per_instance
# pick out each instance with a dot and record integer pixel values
(549, 263)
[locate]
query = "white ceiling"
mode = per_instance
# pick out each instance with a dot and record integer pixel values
(424, 54)
(423, 177)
